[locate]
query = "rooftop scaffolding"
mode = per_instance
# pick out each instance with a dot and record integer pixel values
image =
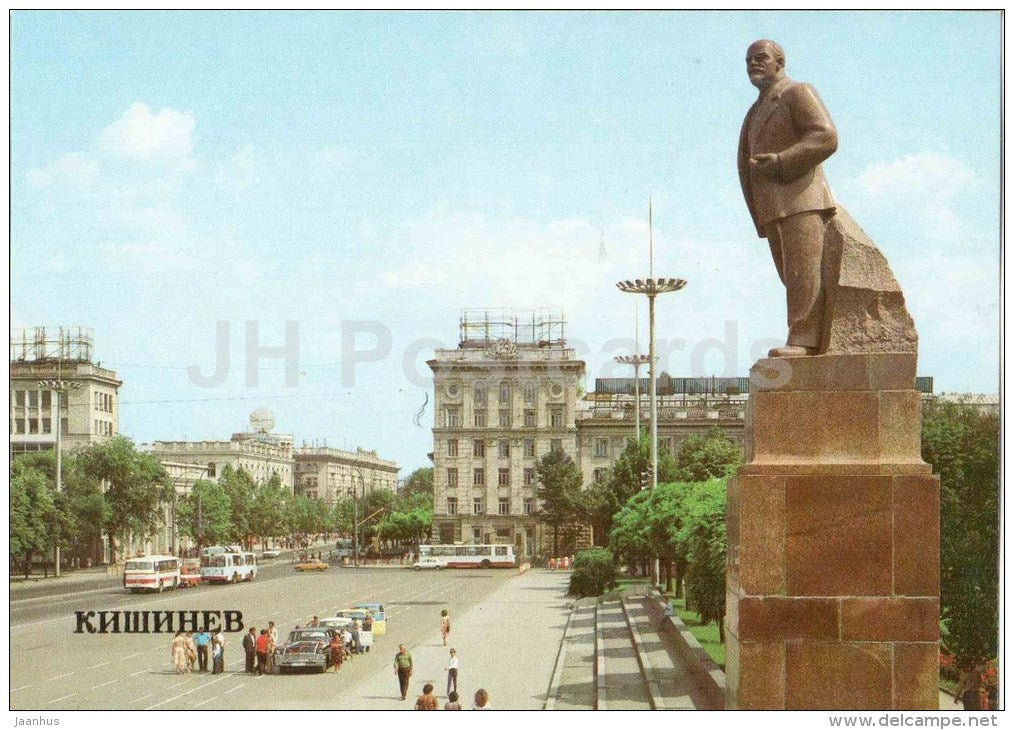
(483, 327)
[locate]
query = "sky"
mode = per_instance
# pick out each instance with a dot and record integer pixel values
(193, 185)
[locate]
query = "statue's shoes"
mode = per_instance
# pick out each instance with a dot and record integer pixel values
(792, 351)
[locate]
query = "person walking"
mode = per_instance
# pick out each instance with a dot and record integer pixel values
(262, 652)
(250, 648)
(427, 701)
(272, 645)
(452, 702)
(445, 625)
(178, 653)
(403, 668)
(452, 672)
(218, 652)
(337, 647)
(482, 700)
(191, 651)
(201, 640)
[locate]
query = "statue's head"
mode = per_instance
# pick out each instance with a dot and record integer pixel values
(765, 63)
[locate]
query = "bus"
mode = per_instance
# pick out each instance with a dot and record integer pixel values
(227, 564)
(470, 556)
(151, 573)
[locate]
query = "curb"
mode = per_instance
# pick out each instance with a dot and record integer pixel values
(600, 666)
(647, 669)
(561, 658)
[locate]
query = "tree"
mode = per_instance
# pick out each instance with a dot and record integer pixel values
(240, 487)
(710, 456)
(266, 518)
(32, 508)
(419, 482)
(205, 514)
(594, 573)
(630, 537)
(136, 487)
(705, 525)
(963, 447)
(559, 492)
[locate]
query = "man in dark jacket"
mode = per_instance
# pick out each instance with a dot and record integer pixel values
(250, 648)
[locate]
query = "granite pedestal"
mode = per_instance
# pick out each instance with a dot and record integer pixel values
(834, 541)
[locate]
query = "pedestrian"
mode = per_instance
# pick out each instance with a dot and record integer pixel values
(272, 645)
(178, 653)
(191, 651)
(427, 701)
(218, 652)
(969, 682)
(262, 652)
(337, 648)
(552, 563)
(314, 622)
(482, 700)
(452, 672)
(403, 668)
(201, 639)
(445, 625)
(354, 630)
(452, 702)
(250, 648)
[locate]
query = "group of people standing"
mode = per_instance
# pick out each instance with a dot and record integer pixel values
(260, 649)
(190, 648)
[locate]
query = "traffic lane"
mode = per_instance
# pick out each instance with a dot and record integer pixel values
(414, 615)
(53, 668)
(40, 608)
(507, 644)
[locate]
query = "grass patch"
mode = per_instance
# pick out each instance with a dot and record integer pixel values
(707, 635)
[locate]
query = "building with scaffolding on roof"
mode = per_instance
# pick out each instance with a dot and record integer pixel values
(503, 398)
(44, 359)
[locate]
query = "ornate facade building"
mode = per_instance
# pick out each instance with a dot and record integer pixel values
(334, 474)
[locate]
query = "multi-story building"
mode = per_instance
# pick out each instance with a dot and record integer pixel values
(89, 399)
(503, 399)
(334, 474)
(260, 452)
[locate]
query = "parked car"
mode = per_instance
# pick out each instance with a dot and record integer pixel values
(270, 553)
(427, 564)
(305, 648)
(312, 564)
(379, 616)
(358, 614)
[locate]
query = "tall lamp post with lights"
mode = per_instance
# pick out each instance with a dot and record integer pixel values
(637, 361)
(652, 287)
(59, 388)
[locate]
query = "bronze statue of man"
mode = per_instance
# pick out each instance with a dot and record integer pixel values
(786, 135)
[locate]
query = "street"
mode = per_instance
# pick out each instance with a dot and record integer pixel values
(507, 630)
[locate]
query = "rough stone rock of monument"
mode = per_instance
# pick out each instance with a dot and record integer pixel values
(865, 310)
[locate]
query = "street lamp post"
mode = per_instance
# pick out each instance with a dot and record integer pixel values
(59, 387)
(637, 361)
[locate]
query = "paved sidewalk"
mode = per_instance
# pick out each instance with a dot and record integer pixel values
(507, 645)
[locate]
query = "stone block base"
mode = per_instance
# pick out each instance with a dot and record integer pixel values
(834, 547)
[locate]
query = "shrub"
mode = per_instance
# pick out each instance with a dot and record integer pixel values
(593, 574)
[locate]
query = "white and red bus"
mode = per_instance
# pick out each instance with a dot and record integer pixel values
(151, 573)
(470, 556)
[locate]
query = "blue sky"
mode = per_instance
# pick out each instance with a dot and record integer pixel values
(173, 170)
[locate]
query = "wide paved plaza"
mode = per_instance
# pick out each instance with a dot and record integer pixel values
(506, 627)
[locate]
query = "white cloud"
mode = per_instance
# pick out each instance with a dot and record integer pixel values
(73, 168)
(140, 134)
(924, 185)
(412, 276)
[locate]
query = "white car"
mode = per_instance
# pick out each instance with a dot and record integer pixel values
(430, 563)
(271, 553)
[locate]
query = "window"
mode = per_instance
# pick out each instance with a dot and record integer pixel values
(479, 394)
(477, 506)
(503, 532)
(529, 418)
(600, 475)
(479, 477)
(480, 418)
(529, 392)
(33, 425)
(452, 418)
(529, 505)
(529, 476)
(505, 394)
(33, 399)
(503, 447)
(556, 417)
(505, 505)
(556, 444)
(19, 425)
(211, 470)
(477, 533)
(452, 477)
(19, 398)
(503, 478)
(478, 447)
(47, 399)
(529, 447)
(601, 447)
(505, 418)
(452, 447)
(452, 505)
(47, 425)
